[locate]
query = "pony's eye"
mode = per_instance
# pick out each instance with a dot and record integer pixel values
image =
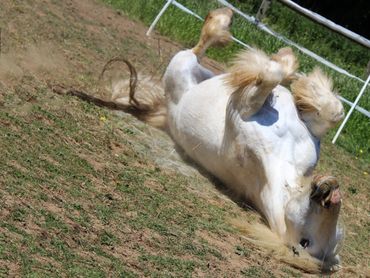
(304, 242)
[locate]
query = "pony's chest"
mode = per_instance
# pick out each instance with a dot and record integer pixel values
(305, 155)
(295, 147)
(277, 134)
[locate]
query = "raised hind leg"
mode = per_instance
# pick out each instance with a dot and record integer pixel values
(184, 70)
(215, 31)
(254, 75)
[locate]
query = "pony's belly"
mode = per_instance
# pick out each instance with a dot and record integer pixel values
(197, 124)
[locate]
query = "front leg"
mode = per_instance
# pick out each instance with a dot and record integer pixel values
(272, 202)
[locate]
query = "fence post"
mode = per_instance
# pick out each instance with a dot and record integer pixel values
(351, 110)
(158, 17)
(265, 5)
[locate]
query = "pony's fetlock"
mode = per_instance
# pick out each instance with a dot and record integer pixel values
(286, 58)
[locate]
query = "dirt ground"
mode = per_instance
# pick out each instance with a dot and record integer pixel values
(45, 42)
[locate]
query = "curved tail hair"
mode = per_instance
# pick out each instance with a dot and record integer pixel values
(148, 108)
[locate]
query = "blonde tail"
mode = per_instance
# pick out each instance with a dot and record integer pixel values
(146, 102)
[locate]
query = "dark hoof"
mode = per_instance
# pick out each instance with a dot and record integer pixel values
(325, 191)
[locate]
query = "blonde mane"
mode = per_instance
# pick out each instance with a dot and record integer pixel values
(307, 89)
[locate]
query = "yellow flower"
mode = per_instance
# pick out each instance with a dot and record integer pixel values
(366, 173)
(103, 118)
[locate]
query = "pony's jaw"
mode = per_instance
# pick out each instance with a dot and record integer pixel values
(332, 110)
(327, 116)
(316, 125)
(324, 234)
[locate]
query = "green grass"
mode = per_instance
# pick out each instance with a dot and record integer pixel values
(184, 28)
(51, 156)
(87, 192)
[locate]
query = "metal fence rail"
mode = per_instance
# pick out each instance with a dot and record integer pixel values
(327, 23)
(266, 29)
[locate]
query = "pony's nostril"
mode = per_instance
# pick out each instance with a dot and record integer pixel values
(304, 242)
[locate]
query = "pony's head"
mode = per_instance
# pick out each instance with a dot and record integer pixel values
(312, 220)
(319, 107)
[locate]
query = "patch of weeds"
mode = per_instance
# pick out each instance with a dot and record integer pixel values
(13, 229)
(19, 214)
(54, 222)
(190, 247)
(201, 251)
(104, 213)
(129, 177)
(4, 271)
(129, 131)
(75, 190)
(242, 251)
(107, 238)
(352, 190)
(291, 273)
(80, 270)
(33, 246)
(43, 197)
(2, 243)
(61, 249)
(165, 264)
(257, 271)
(161, 228)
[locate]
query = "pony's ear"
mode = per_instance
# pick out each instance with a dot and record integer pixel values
(286, 58)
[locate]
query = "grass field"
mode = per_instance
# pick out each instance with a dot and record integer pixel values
(89, 192)
(350, 56)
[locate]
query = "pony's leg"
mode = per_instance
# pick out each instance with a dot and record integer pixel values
(273, 208)
(254, 75)
(184, 70)
(215, 31)
(273, 197)
(248, 98)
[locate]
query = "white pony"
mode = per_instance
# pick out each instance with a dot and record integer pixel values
(250, 131)
(257, 137)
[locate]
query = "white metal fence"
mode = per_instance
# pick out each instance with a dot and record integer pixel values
(266, 29)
